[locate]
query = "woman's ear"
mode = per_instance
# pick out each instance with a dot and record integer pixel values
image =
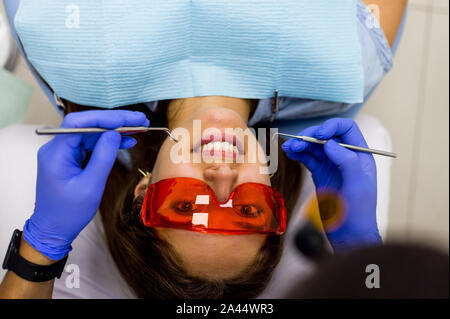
(142, 186)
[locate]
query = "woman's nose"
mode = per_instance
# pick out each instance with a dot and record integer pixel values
(221, 179)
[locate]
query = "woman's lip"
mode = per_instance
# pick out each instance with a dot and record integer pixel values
(220, 138)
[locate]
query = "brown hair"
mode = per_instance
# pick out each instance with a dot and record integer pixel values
(149, 264)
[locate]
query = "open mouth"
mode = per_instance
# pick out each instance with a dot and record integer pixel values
(222, 145)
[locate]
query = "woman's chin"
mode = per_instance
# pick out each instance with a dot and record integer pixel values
(213, 256)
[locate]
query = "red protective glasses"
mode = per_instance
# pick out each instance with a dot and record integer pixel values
(190, 204)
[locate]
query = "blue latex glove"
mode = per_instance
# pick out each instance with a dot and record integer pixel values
(67, 196)
(349, 175)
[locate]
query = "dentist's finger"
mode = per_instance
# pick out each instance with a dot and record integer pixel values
(306, 159)
(108, 119)
(103, 157)
(127, 142)
(297, 145)
(347, 161)
(90, 140)
(345, 128)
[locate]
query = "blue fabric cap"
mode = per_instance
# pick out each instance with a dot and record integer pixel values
(116, 53)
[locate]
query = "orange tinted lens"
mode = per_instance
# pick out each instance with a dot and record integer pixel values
(191, 204)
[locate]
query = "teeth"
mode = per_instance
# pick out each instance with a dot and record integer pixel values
(220, 146)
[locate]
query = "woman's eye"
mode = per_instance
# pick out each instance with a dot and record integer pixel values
(185, 207)
(249, 211)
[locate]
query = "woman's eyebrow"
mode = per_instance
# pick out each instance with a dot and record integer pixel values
(249, 226)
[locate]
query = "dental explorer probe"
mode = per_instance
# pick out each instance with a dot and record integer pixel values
(128, 130)
(352, 147)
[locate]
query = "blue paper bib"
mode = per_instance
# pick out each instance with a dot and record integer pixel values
(115, 53)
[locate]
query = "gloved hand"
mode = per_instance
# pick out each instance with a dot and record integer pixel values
(67, 196)
(347, 175)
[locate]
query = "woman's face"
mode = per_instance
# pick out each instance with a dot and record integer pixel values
(212, 255)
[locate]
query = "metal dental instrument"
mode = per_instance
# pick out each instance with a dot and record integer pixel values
(129, 130)
(352, 147)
